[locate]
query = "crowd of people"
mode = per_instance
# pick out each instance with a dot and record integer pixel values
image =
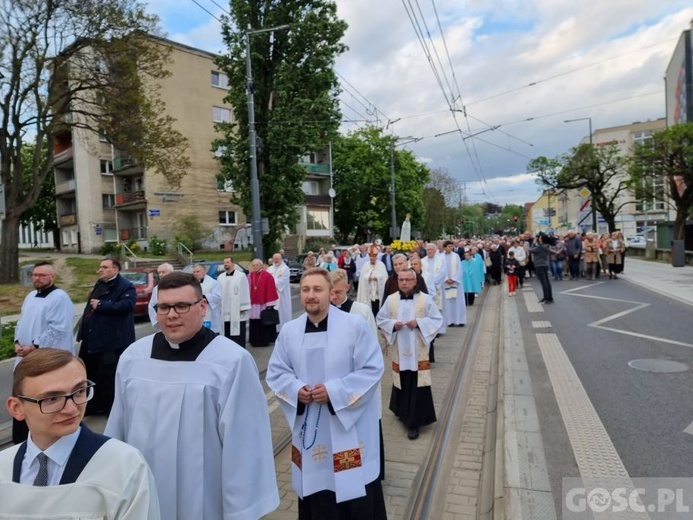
(188, 432)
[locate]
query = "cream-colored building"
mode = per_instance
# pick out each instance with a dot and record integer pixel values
(104, 196)
(573, 207)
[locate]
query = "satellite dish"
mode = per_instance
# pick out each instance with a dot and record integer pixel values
(332, 193)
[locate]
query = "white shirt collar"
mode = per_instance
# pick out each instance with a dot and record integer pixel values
(58, 452)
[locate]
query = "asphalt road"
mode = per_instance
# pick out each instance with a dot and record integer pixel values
(645, 413)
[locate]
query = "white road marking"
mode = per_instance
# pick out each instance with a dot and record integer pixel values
(636, 307)
(689, 429)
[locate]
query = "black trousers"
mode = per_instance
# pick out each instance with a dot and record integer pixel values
(543, 277)
(101, 369)
(240, 339)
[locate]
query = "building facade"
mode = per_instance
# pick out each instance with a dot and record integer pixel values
(573, 207)
(103, 196)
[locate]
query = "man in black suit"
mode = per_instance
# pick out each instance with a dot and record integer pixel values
(108, 327)
(386, 258)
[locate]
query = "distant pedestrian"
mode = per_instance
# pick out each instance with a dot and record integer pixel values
(108, 327)
(162, 271)
(512, 267)
(573, 252)
(542, 254)
(46, 321)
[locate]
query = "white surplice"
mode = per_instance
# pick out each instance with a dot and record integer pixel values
(203, 427)
(433, 269)
(47, 321)
(281, 280)
(338, 452)
(372, 282)
(454, 306)
(212, 293)
(235, 300)
(114, 485)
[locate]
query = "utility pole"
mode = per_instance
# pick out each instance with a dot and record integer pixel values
(256, 215)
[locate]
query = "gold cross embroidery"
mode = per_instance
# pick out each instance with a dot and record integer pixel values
(320, 453)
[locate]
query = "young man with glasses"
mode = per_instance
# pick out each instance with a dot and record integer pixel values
(410, 320)
(191, 402)
(46, 321)
(64, 470)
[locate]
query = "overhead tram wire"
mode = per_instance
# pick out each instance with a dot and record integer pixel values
(544, 80)
(377, 110)
(453, 96)
(561, 112)
(447, 53)
(198, 4)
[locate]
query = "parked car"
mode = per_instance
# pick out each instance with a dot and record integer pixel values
(636, 241)
(214, 267)
(296, 268)
(144, 281)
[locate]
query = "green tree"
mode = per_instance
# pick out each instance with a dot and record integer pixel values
(362, 179)
(667, 160)
(87, 66)
(296, 105)
(603, 170)
(43, 213)
(438, 194)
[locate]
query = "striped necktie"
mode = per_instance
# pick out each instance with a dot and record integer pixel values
(42, 475)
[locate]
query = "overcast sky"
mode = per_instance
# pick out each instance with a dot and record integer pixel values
(521, 66)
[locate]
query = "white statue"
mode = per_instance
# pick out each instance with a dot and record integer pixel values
(405, 235)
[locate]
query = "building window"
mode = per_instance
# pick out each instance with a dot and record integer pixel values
(311, 188)
(224, 185)
(106, 167)
(221, 115)
(640, 138)
(227, 218)
(108, 200)
(219, 79)
(110, 234)
(102, 136)
(318, 219)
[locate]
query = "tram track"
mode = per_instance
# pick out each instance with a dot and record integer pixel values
(426, 488)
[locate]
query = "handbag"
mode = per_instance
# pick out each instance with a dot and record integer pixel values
(269, 316)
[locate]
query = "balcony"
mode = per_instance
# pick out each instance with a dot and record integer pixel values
(133, 200)
(69, 219)
(65, 187)
(126, 165)
(136, 233)
(316, 169)
(317, 200)
(60, 158)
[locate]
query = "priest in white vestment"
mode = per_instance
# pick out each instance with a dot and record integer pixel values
(64, 470)
(235, 301)
(372, 281)
(162, 271)
(46, 321)
(454, 306)
(280, 272)
(433, 269)
(410, 320)
(325, 371)
(191, 401)
(212, 293)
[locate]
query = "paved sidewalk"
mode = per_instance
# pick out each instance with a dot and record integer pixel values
(662, 278)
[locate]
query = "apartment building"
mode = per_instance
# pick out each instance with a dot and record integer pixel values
(104, 196)
(573, 208)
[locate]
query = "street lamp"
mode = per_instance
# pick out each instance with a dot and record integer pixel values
(594, 211)
(256, 218)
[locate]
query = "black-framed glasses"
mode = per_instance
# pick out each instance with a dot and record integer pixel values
(181, 307)
(55, 403)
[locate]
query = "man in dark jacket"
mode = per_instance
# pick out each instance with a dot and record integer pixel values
(573, 251)
(108, 327)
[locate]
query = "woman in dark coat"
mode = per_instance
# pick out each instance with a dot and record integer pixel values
(496, 267)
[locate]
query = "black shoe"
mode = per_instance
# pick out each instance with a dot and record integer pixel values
(413, 433)
(548, 301)
(542, 301)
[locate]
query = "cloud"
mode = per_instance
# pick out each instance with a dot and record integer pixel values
(526, 66)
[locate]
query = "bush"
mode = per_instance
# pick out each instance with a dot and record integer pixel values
(110, 249)
(316, 243)
(190, 232)
(157, 246)
(7, 340)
